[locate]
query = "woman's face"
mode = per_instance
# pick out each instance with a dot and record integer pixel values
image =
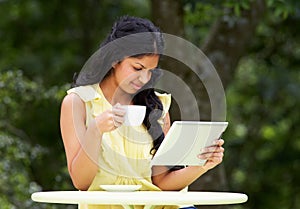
(132, 73)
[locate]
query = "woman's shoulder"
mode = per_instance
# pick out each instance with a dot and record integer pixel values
(162, 95)
(86, 93)
(165, 99)
(69, 102)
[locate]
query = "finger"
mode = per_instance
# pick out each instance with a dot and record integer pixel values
(212, 149)
(118, 119)
(204, 156)
(215, 160)
(219, 142)
(116, 123)
(211, 155)
(118, 111)
(111, 125)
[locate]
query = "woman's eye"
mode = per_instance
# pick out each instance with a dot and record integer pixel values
(138, 69)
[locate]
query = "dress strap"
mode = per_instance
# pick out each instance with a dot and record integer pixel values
(86, 93)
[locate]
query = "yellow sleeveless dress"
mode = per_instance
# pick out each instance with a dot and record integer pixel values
(125, 152)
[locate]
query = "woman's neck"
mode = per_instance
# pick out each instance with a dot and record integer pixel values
(113, 93)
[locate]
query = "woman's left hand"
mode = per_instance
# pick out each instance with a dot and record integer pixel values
(213, 154)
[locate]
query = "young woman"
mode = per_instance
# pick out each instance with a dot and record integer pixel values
(99, 149)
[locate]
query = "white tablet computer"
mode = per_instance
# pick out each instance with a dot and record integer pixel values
(185, 140)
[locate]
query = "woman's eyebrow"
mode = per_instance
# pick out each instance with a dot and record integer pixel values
(141, 65)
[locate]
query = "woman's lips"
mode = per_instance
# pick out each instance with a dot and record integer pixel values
(136, 86)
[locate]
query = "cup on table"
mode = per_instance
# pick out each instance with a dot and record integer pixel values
(134, 115)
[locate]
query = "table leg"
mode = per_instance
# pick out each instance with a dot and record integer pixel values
(149, 206)
(145, 207)
(128, 206)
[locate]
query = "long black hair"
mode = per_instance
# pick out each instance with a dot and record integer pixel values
(129, 37)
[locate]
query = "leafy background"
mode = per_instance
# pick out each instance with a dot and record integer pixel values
(44, 42)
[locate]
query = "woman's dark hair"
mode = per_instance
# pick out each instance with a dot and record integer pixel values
(129, 37)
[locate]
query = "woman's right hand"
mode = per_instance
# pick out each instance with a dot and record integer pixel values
(110, 119)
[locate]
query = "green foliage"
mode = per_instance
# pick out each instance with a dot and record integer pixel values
(16, 182)
(44, 42)
(237, 7)
(262, 142)
(12, 81)
(263, 107)
(24, 156)
(281, 8)
(201, 15)
(50, 39)
(198, 19)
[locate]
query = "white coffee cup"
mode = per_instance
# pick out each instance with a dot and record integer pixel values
(134, 115)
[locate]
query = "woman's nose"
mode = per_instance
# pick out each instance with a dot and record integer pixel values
(145, 76)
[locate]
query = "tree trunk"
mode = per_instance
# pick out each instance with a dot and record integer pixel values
(229, 38)
(225, 45)
(168, 15)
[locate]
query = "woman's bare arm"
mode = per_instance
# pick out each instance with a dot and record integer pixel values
(81, 143)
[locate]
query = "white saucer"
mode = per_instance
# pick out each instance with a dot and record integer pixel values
(120, 188)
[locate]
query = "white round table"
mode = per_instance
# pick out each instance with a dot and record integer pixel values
(147, 198)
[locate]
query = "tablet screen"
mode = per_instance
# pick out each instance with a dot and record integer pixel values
(184, 141)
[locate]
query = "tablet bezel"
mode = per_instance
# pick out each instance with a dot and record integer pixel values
(175, 150)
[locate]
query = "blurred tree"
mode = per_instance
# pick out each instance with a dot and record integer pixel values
(26, 163)
(42, 45)
(224, 45)
(55, 39)
(265, 106)
(253, 44)
(226, 30)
